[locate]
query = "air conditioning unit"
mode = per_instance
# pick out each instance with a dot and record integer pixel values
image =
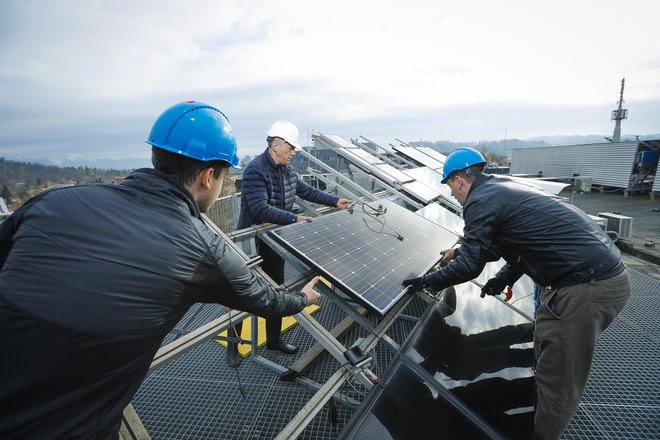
(602, 222)
(582, 184)
(619, 223)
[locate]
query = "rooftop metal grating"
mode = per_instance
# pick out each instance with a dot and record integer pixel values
(197, 396)
(622, 398)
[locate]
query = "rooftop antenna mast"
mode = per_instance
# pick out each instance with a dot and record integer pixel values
(618, 115)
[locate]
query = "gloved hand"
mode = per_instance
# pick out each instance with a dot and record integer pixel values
(416, 284)
(493, 287)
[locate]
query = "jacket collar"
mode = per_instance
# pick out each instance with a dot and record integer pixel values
(269, 160)
(478, 181)
(157, 182)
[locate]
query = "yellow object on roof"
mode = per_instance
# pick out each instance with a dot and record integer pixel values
(244, 350)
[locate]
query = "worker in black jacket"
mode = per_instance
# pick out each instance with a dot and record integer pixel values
(93, 277)
(562, 249)
(270, 187)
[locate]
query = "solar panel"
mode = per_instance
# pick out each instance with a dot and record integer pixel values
(366, 156)
(396, 174)
(421, 191)
(443, 217)
(432, 179)
(434, 154)
(372, 164)
(369, 250)
(340, 141)
(420, 157)
(551, 187)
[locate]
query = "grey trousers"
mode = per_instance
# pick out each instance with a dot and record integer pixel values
(568, 324)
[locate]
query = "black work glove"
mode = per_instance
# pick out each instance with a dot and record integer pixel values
(493, 287)
(416, 284)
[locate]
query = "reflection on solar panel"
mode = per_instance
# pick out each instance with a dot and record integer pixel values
(434, 154)
(366, 160)
(396, 174)
(367, 157)
(546, 185)
(340, 141)
(443, 217)
(407, 405)
(421, 191)
(431, 179)
(420, 157)
(367, 251)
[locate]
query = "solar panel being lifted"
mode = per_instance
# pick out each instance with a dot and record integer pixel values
(368, 250)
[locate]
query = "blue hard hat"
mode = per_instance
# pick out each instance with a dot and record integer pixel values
(460, 159)
(196, 130)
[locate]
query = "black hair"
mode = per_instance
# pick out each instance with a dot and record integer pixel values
(184, 169)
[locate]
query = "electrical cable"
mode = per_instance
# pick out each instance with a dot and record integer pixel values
(377, 215)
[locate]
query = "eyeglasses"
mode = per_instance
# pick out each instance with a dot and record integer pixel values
(286, 143)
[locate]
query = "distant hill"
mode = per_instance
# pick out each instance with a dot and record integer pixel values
(21, 180)
(127, 163)
(505, 147)
(589, 139)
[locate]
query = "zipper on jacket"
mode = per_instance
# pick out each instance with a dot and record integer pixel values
(279, 172)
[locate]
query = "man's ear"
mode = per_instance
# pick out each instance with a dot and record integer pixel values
(205, 177)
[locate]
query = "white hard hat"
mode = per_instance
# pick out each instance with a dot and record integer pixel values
(285, 130)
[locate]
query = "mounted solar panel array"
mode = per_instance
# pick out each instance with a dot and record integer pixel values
(368, 250)
(420, 157)
(431, 179)
(434, 160)
(420, 183)
(367, 161)
(433, 154)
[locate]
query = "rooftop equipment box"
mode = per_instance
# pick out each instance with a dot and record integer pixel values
(619, 223)
(582, 184)
(602, 222)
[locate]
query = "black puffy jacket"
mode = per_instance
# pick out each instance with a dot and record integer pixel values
(269, 191)
(536, 233)
(105, 271)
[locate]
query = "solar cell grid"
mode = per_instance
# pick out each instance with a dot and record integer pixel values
(363, 254)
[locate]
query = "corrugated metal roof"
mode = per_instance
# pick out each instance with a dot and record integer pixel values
(607, 164)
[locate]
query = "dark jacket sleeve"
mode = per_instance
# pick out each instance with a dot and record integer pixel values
(9, 227)
(7, 231)
(255, 191)
(509, 274)
(243, 290)
(475, 252)
(311, 194)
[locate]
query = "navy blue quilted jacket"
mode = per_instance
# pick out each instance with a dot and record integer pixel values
(269, 191)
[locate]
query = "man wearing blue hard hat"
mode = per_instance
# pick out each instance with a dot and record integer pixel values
(557, 245)
(93, 277)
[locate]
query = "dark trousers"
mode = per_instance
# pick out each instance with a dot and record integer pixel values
(568, 324)
(273, 265)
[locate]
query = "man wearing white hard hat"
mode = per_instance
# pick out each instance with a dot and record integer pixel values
(270, 187)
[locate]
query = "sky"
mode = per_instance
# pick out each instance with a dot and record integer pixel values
(87, 78)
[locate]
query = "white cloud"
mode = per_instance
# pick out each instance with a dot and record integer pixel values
(432, 70)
